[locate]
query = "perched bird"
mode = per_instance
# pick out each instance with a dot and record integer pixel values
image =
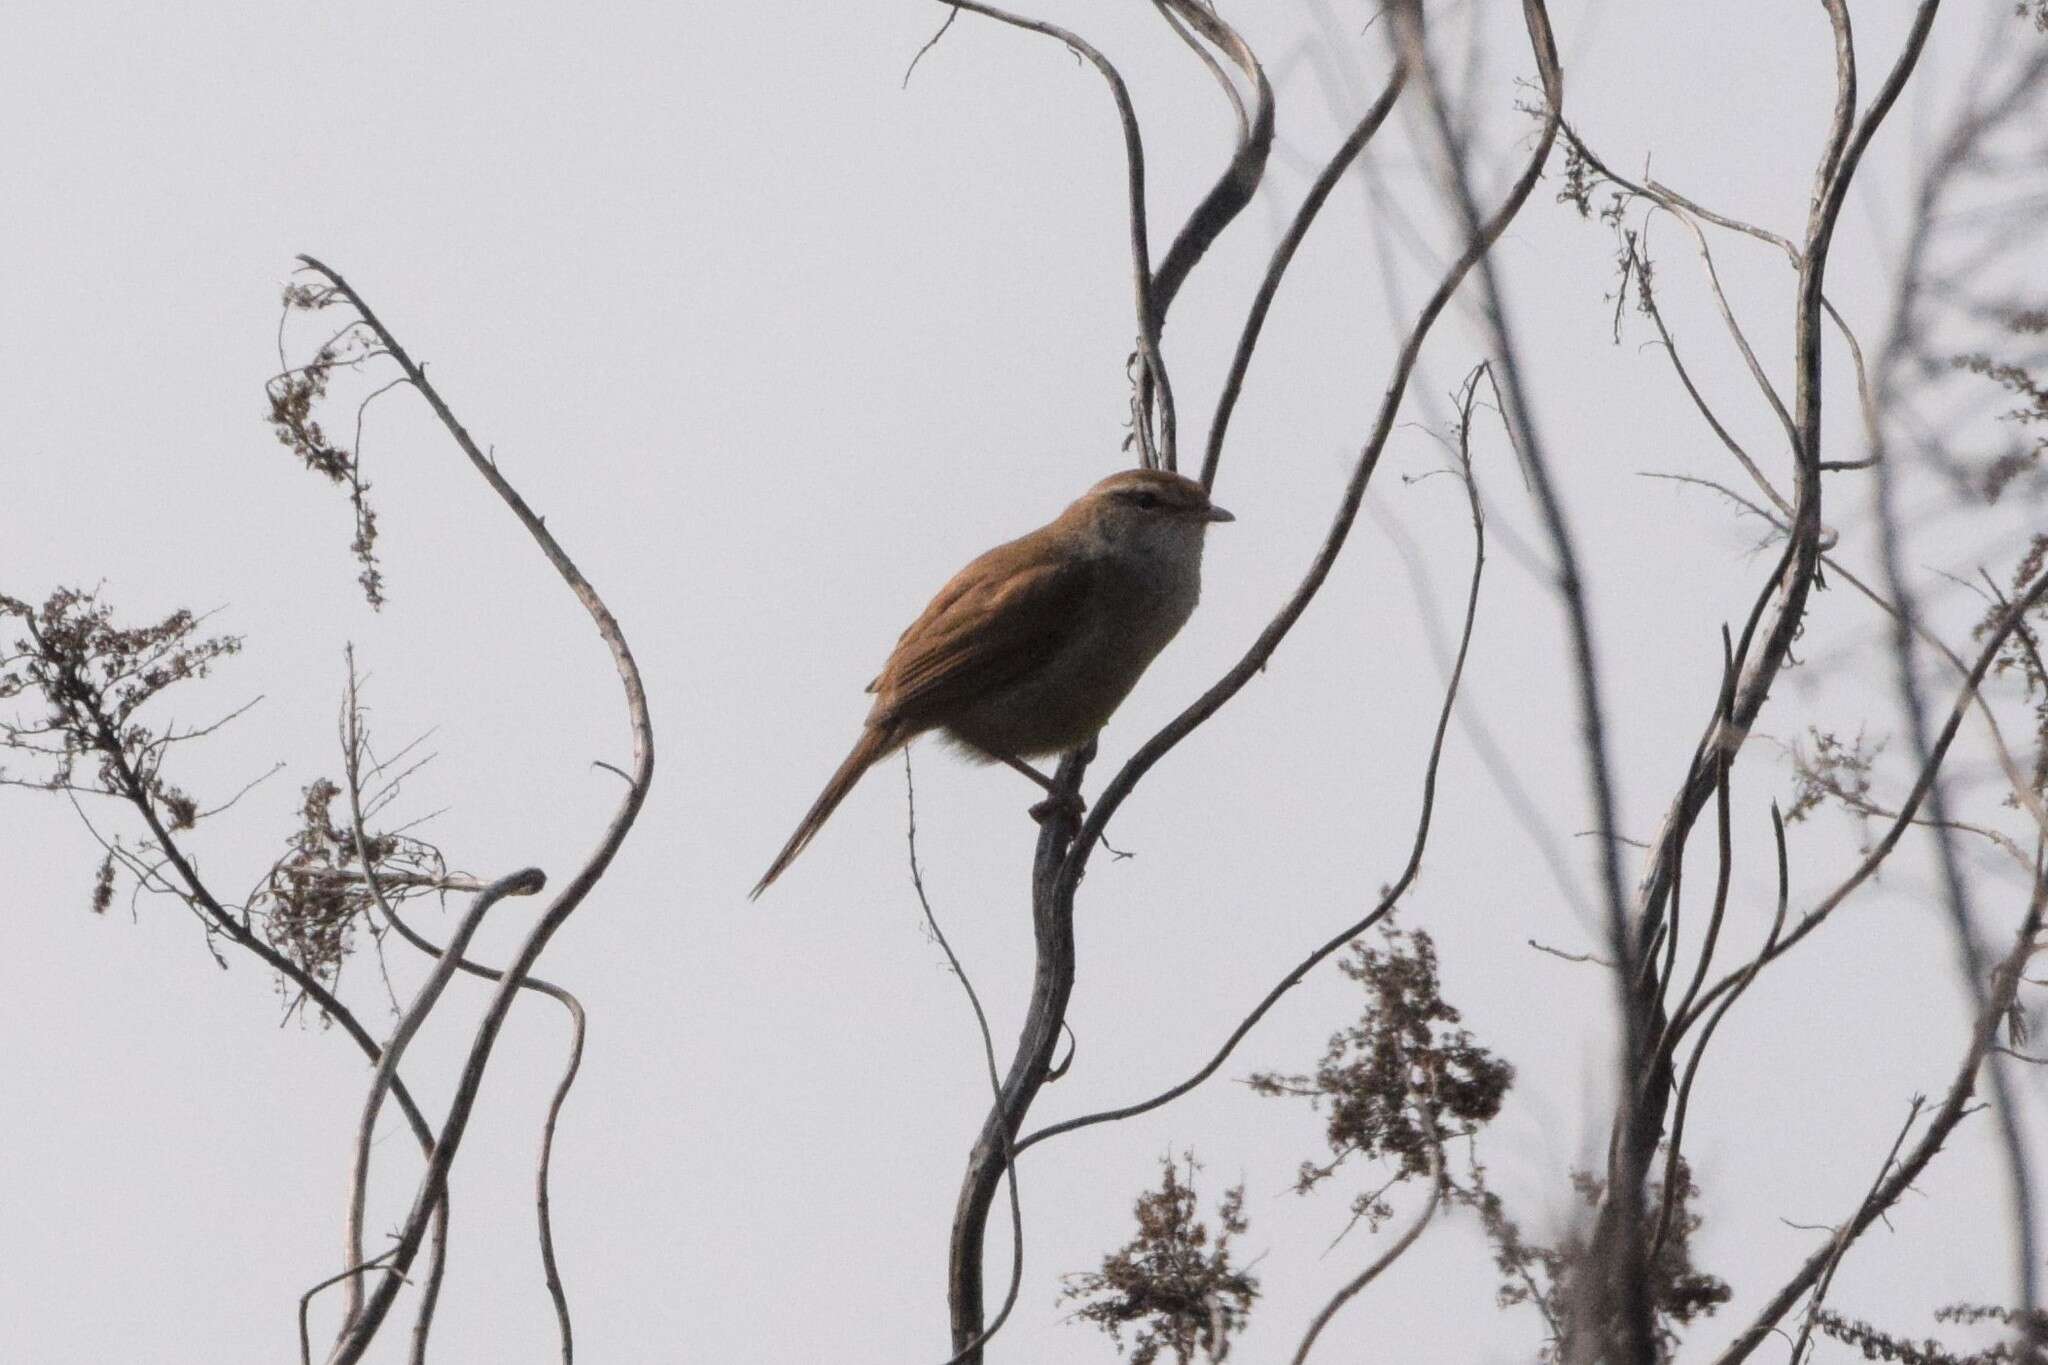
(1032, 646)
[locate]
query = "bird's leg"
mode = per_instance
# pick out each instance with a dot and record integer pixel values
(1025, 768)
(1057, 801)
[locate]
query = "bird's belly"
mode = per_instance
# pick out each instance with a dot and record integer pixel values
(1068, 700)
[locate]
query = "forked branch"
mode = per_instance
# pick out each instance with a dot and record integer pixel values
(358, 1333)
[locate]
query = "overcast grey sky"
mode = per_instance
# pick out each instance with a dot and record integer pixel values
(776, 346)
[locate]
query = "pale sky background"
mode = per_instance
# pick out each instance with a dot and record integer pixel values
(776, 346)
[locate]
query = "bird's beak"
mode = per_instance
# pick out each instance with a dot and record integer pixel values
(1217, 514)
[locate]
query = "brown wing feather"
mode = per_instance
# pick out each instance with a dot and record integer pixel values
(998, 619)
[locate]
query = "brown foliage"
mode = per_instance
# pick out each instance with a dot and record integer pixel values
(1180, 1292)
(1396, 1079)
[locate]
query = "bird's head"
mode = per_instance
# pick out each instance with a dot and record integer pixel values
(1148, 508)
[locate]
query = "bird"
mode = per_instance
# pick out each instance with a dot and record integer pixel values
(1028, 650)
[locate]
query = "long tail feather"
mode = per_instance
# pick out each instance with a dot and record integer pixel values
(874, 743)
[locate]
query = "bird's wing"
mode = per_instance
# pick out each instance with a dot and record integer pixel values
(998, 619)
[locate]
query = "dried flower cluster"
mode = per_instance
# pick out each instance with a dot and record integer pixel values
(1829, 768)
(1403, 1078)
(2021, 652)
(1178, 1290)
(1878, 1345)
(93, 678)
(296, 391)
(316, 896)
(2031, 412)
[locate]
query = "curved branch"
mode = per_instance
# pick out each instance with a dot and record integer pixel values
(353, 752)
(1161, 452)
(1240, 179)
(1283, 256)
(525, 882)
(1954, 1107)
(1168, 12)
(544, 1164)
(434, 1182)
(1269, 639)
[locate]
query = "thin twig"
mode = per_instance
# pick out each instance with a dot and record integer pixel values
(988, 1052)
(306, 1302)
(1393, 1253)
(1675, 1147)
(1954, 1107)
(1158, 451)
(434, 1182)
(354, 749)
(1333, 170)
(1269, 639)
(1820, 1291)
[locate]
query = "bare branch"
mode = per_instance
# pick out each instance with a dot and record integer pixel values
(359, 1333)
(1393, 1253)
(1889, 1188)
(1283, 256)
(1240, 179)
(988, 1052)
(1158, 452)
(1269, 639)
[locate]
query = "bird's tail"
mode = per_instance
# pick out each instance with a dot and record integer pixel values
(875, 741)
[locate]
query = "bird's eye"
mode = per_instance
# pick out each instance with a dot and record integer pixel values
(1147, 500)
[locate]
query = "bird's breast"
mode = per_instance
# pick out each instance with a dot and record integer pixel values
(1136, 608)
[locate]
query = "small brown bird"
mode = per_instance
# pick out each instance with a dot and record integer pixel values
(1032, 646)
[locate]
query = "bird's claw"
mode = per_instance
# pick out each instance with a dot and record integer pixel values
(1067, 804)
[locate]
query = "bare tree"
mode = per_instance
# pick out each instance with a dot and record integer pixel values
(1946, 438)
(1625, 1290)
(98, 684)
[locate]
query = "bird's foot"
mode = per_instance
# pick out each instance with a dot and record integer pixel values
(1068, 804)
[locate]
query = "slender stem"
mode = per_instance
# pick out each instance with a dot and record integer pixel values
(1841, 1248)
(357, 1336)
(525, 882)
(1159, 453)
(988, 1053)
(1283, 256)
(1954, 1108)
(1393, 1253)
(1052, 985)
